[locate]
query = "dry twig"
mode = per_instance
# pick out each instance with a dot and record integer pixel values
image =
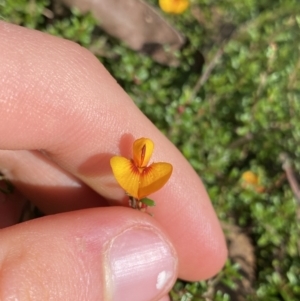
(287, 167)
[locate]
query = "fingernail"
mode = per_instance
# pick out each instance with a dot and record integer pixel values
(141, 264)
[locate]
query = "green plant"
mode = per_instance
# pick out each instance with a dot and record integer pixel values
(237, 114)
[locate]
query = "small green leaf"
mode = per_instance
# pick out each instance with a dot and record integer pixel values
(148, 202)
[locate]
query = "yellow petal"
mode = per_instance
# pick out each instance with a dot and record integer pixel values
(250, 177)
(126, 174)
(142, 151)
(174, 6)
(153, 178)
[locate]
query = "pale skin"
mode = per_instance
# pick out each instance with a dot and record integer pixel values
(63, 116)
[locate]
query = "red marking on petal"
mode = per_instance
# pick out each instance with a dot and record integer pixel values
(146, 170)
(134, 168)
(143, 154)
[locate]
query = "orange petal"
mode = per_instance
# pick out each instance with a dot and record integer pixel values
(250, 177)
(142, 151)
(126, 174)
(174, 6)
(153, 178)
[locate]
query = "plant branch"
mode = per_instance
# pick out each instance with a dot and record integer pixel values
(287, 167)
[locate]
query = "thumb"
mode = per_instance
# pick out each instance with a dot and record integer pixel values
(95, 254)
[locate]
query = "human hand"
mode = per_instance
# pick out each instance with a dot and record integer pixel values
(62, 118)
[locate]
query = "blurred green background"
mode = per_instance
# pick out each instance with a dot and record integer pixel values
(231, 119)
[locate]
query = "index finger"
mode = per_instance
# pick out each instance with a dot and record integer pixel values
(56, 96)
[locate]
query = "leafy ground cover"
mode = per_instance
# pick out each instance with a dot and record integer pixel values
(235, 118)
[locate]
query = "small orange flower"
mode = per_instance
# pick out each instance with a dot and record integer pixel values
(251, 180)
(250, 177)
(174, 6)
(134, 176)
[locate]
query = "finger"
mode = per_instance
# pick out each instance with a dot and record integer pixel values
(75, 117)
(49, 187)
(165, 298)
(86, 255)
